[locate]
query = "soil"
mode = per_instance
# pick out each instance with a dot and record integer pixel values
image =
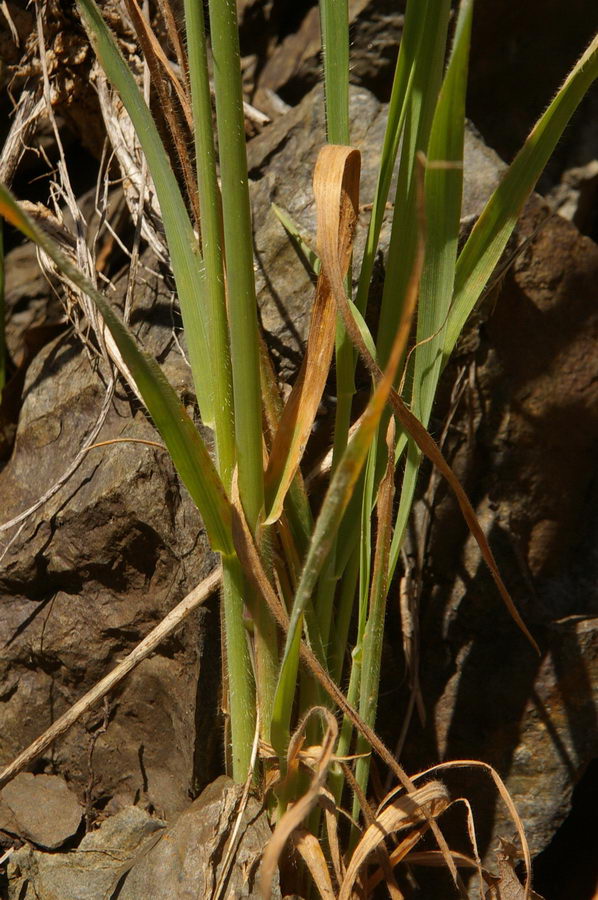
(85, 576)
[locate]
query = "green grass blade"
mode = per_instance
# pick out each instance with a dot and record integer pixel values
(443, 196)
(211, 237)
(360, 562)
(185, 259)
(240, 685)
(412, 464)
(426, 81)
(334, 27)
(343, 616)
(335, 503)
(242, 315)
(325, 529)
(374, 629)
(238, 241)
(496, 223)
(307, 254)
(443, 191)
(397, 109)
(182, 439)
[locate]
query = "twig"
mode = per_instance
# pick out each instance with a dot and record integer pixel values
(7, 855)
(194, 599)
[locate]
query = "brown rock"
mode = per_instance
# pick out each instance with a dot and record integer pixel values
(86, 576)
(40, 809)
(523, 442)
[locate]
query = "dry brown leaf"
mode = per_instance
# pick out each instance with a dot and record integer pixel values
(336, 189)
(399, 853)
(157, 59)
(161, 74)
(507, 800)
(168, 17)
(310, 850)
(295, 814)
(411, 809)
(328, 804)
(381, 851)
(434, 859)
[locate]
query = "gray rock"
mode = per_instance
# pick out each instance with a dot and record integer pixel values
(186, 863)
(575, 196)
(40, 809)
(88, 872)
(30, 302)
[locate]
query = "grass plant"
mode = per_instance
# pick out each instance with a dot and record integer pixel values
(291, 572)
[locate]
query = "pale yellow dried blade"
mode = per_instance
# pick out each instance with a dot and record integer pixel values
(402, 812)
(336, 188)
(331, 818)
(310, 850)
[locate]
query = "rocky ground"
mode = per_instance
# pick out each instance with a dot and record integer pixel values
(86, 575)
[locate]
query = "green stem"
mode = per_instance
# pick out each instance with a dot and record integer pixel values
(242, 310)
(397, 109)
(334, 25)
(240, 679)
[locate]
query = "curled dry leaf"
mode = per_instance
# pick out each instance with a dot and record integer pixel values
(296, 813)
(336, 188)
(434, 857)
(505, 797)
(399, 853)
(403, 812)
